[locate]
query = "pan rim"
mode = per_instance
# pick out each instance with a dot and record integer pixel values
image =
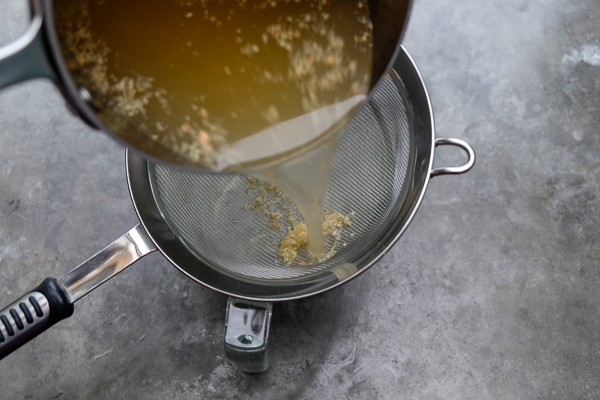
(146, 205)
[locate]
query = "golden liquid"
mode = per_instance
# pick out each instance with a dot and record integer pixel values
(229, 84)
(305, 180)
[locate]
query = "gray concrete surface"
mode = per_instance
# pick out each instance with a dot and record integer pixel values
(493, 292)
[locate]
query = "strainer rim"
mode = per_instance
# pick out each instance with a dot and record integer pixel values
(145, 202)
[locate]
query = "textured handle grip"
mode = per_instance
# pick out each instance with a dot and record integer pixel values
(32, 314)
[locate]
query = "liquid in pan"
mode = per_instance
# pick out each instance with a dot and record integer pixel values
(228, 84)
(200, 75)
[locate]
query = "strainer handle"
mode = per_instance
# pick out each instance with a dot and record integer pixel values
(455, 170)
(52, 301)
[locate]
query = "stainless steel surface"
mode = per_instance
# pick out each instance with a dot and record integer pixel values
(389, 18)
(455, 170)
(25, 58)
(381, 171)
(29, 329)
(107, 263)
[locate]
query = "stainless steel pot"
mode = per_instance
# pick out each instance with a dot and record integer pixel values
(37, 53)
(381, 171)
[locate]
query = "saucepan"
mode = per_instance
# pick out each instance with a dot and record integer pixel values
(43, 51)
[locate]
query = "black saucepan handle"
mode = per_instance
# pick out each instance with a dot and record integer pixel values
(53, 300)
(32, 314)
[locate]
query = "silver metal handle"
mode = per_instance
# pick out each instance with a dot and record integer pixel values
(246, 334)
(113, 259)
(26, 57)
(52, 301)
(455, 170)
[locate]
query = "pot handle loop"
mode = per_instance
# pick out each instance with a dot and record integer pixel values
(455, 170)
(26, 58)
(247, 333)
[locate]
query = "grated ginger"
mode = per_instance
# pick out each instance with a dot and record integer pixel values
(297, 236)
(280, 213)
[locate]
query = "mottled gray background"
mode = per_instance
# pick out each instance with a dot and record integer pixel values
(493, 292)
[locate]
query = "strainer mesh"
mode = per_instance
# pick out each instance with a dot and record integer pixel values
(207, 213)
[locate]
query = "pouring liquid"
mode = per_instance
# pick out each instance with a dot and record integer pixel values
(305, 181)
(259, 87)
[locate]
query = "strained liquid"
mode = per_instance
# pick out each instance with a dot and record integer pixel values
(238, 84)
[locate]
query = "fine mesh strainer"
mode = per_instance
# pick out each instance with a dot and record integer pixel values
(208, 213)
(200, 223)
